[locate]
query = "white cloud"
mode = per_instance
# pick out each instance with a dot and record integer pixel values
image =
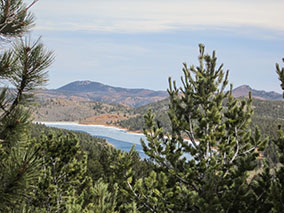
(157, 15)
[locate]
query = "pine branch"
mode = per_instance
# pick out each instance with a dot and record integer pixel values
(32, 60)
(138, 198)
(237, 150)
(28, 7)
(17, 20)
(191, 135)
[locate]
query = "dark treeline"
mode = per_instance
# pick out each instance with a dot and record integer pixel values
(100, 154)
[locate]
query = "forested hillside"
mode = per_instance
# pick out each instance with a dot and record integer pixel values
(267, 116)
(100, 154)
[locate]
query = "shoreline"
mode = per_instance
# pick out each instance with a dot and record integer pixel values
(113, 126)
(90, 124)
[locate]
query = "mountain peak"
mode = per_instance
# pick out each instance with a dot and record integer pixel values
(244, 87)
(96, 91)
(84, 82)
(243, 91)
(81, 86)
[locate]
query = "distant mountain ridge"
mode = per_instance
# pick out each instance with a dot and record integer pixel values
(89, 86)
(243, 91)
(98, 92)
(95, 91)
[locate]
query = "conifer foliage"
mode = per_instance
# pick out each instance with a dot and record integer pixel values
(280, 72)
(268, 186)
(210, 169)
(47, 174)
(203, 164)
(277, 187)
(63, 172)
(23, 66)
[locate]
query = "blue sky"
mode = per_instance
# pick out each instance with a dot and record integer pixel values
(139, 44)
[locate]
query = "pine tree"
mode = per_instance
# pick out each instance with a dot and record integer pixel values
(63, 172)
(280, 72)
(23, 66)
(277, 182)
(124, 168)
(208, 171)
(268, 185)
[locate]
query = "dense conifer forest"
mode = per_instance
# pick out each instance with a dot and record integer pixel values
(229, 165)
(268, 115)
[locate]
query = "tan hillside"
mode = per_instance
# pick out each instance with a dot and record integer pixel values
(57, 109)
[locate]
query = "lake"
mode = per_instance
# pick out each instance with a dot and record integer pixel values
(121, 139)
